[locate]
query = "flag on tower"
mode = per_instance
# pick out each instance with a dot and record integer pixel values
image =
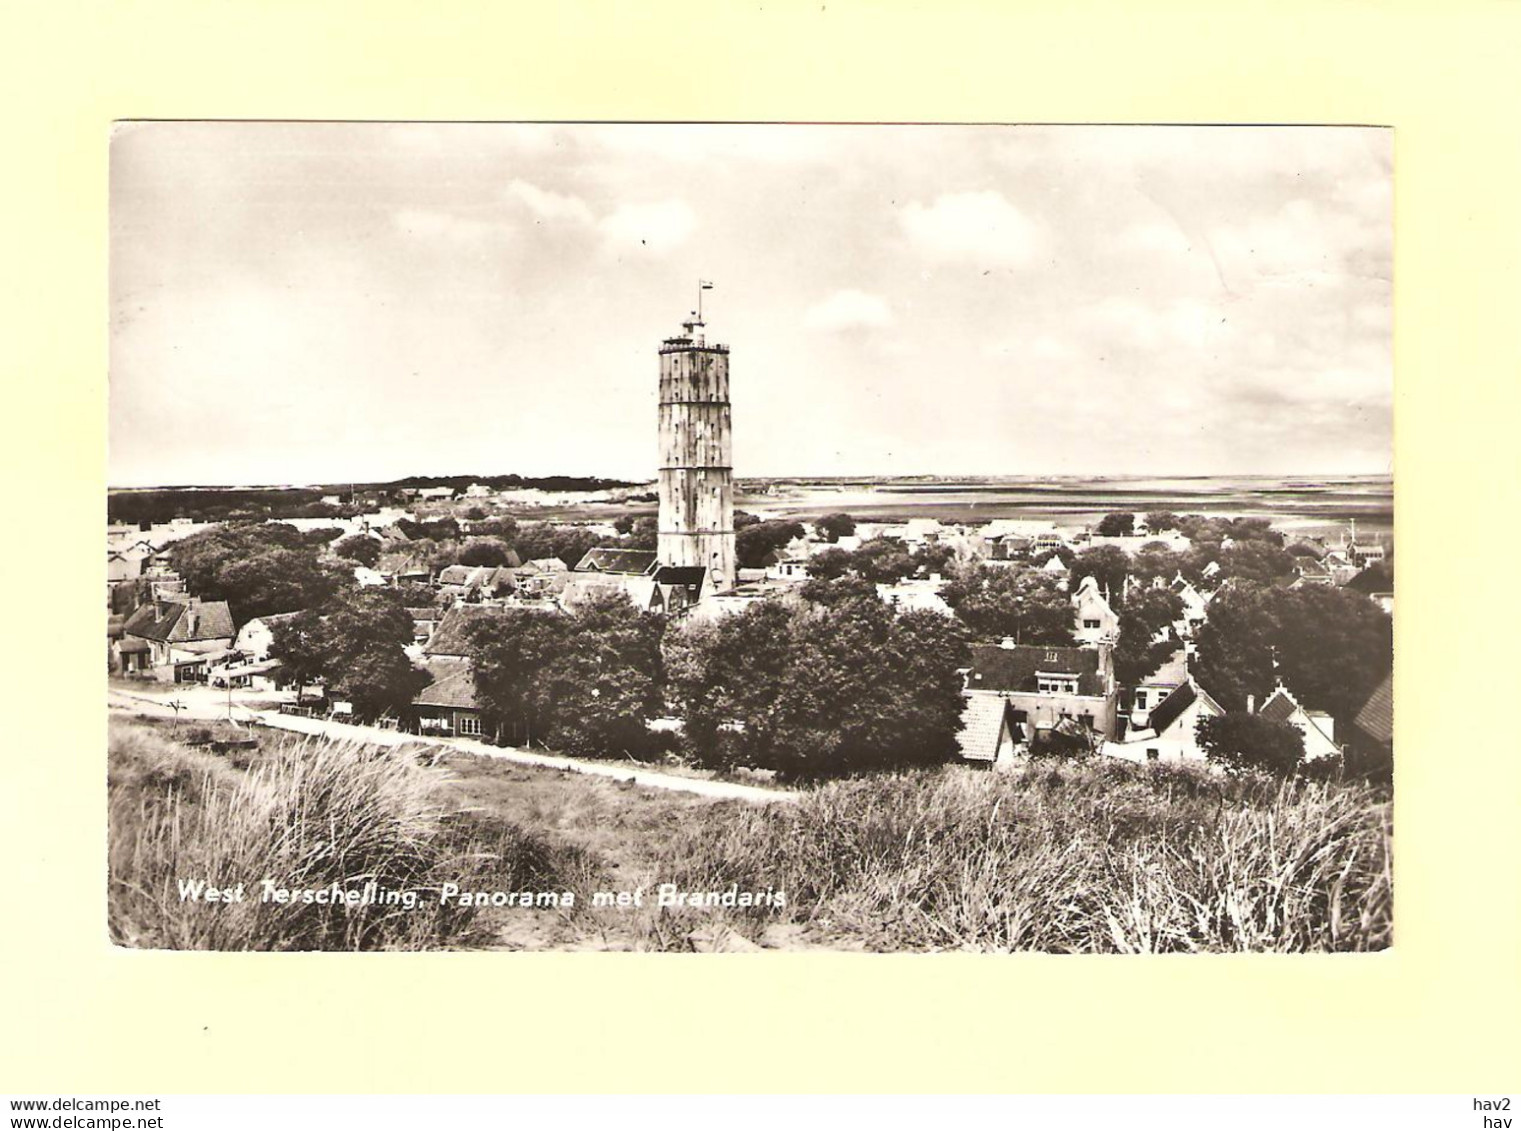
(704, 284)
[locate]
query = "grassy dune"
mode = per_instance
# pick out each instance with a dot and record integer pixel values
(1102, 857)
(1106, 857)
(306, 815)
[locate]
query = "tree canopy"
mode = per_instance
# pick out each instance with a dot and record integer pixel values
(1332, 646)
(753, 542)
(586, 682)
(1116, 525)
(995, 601)
(257, 568)
(1243, 741)
(1138, 652)
(356, 645)
(809, 689)
(358, 548)
(835, 526)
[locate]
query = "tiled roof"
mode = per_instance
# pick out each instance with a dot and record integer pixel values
(451, 638)
(680, 575)
(981, 724)
(478, 577)
(1279, 707)
(453, 684)
(1166, 713)
(1376, 719)
(1013, 669)
(181, 622)
(612, 560)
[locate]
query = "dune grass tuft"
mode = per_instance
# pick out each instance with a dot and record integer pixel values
(305, 814)
(1098, 857)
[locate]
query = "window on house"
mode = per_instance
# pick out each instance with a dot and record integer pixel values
(469, 724)
(1140, 700)
(1091, 622)
(1086, 720)
(1153, 754)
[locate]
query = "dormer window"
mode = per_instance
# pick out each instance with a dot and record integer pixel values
(1056, 683)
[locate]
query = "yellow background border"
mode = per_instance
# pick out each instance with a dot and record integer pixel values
(1438, 1013)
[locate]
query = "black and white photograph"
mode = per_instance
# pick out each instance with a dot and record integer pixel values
(750, 537)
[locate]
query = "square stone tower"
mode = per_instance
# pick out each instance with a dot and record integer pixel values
(696, 456)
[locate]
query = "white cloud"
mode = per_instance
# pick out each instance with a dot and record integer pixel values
(846, 310)
(978, 225)
(656, 226)
(548, 205)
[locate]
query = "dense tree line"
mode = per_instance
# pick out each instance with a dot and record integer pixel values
(1331, 646)
(199, 504)
(880, 560)
(811, 689)
(802, 687)
(257, 568)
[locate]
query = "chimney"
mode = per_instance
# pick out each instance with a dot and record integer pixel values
(1007, 642)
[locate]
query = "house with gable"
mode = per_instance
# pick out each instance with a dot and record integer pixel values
(1170, 732)
(1047, 689)
(475, 583)
(639, 575)
(916, 593)
(175, 641)
(1171, 674)
(1195, 607)
(255, 637)
(448, 705)
(1317, 727)
(1094, 618)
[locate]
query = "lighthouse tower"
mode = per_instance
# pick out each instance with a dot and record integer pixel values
(696, 455)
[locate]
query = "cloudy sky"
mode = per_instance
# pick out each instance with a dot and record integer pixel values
(318, 302)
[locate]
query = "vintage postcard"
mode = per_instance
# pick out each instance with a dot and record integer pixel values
(750, 538)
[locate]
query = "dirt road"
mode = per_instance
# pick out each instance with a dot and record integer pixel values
(196, 703)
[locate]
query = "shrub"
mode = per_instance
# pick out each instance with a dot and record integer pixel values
(1240, 741)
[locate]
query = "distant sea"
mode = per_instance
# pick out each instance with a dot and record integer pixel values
(1291, 502)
